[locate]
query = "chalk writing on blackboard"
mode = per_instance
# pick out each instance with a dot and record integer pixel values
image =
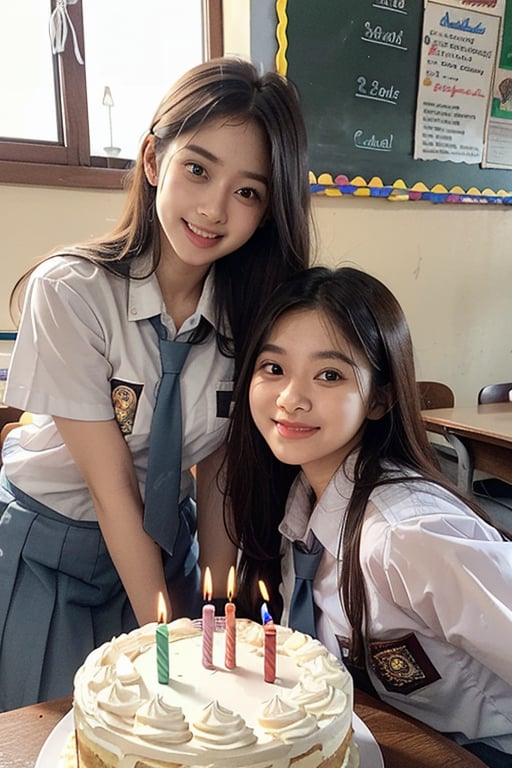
(356, 65)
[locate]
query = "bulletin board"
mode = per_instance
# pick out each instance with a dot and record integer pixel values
(323, 47)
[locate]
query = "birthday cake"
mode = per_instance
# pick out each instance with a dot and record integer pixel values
(215, 717)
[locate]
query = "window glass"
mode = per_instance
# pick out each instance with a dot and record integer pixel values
(136, 51)
(26, 72)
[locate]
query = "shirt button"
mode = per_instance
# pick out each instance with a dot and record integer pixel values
(133, 310)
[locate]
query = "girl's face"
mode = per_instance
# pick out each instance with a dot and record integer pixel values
(213, 190)
(309, 395)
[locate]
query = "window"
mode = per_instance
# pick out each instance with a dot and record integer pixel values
(65, 123)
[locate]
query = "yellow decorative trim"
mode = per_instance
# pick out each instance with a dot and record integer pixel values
(397, 196)
(358, 186)
(282, 40)
(421, 187)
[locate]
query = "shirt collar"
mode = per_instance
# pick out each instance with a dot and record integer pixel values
(326, 517)
(145, 300)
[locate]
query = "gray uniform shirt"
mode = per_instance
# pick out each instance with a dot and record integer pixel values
(86, 350)
(439, 588)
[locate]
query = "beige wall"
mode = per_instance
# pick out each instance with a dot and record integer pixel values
(34, 220)
(449, 265)
(451, 269)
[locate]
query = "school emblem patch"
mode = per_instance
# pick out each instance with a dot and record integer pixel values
(125, 397)
(402, 665)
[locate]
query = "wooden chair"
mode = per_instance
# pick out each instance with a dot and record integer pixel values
(435, 394)
(495, 393)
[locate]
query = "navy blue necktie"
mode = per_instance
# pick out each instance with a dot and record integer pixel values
(302, 607)
(163, 479)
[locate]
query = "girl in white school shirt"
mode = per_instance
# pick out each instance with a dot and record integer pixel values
(217, 214)
(414, 588)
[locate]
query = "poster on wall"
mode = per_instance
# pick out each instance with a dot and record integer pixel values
(408, 119)
(457, 65)
(498, 144)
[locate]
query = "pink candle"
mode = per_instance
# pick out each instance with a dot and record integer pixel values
(208, 628)
(270, 652)
(230, 632)
(230, 657)
(208, 622)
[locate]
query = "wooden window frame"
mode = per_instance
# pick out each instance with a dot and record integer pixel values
(70, 164)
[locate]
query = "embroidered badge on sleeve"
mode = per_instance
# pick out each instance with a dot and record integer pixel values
(402, 665)
(125, 396)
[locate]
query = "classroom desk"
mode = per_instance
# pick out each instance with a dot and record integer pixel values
(481, 436)
(404, 742)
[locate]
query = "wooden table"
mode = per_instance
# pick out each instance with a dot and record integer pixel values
(404, 742)
(481, 436)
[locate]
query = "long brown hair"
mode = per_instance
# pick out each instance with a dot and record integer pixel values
(226, 87)
(367, 314)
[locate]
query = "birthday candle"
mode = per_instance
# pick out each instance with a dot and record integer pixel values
(208, 621)
(230, 632)
(162, 643)
(270, 652)
(269, 661)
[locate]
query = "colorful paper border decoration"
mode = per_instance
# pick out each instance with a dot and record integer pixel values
(325, 184)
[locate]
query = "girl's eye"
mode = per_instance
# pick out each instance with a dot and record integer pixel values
(249, 194)
(330, 376)
(195, 169)
(273, 368)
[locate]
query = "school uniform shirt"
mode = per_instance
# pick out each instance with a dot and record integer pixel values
(439, 589)
(86, 350)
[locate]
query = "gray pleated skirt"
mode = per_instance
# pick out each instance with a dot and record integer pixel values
(60, 595)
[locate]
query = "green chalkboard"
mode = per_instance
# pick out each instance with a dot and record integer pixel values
(356, 90)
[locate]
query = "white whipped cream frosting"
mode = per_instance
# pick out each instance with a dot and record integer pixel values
(161, 723)
(318, 698)
(233, 713)
(286, 721)
(218, 727)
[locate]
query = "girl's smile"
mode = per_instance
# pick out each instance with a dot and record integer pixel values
(309, 394)
(294, 430)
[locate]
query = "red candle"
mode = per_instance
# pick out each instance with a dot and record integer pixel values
(230, 632)
(208, 621)
(270, 652)
(269, 629)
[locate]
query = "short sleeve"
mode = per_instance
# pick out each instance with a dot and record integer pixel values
(59, 365)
